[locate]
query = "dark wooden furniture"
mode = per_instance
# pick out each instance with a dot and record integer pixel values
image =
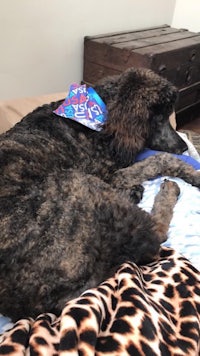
(173, 53)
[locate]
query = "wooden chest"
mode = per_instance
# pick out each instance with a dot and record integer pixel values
(173, 53)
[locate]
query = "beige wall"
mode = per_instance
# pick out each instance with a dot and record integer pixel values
(187, 15)
(41, 41)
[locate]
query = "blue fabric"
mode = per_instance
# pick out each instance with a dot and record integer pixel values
(147, 153)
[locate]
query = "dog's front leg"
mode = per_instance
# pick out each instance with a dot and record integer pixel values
(164, 203)
(163, 164)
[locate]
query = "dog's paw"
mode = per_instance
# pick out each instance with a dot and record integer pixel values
(169, 185)
(136, 193)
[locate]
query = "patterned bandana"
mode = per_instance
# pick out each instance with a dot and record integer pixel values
(84, 105)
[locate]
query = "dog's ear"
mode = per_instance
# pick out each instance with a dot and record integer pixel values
(128, 127)
(167, 96)
(128, 120)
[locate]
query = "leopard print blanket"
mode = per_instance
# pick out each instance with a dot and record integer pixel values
(148, 310)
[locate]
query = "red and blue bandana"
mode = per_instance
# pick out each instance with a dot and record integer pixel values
(85, 106)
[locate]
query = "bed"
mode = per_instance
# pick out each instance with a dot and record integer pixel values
(146, 310)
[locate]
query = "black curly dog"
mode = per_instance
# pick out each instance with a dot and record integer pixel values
(67, 212)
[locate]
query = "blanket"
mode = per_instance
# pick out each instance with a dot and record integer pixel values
(148, 310)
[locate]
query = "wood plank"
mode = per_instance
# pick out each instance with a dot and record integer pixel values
(171, 46)
(188, 96)
(156, 40)
(187, 114)
(136, 35)
(119, 33)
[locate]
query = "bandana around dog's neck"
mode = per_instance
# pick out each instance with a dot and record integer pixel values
(85, 106)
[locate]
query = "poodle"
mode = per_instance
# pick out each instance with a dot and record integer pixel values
(68, 194)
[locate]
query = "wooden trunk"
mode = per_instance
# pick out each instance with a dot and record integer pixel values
(172, 53)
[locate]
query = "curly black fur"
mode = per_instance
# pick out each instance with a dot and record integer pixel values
(67, 216)
(142, 101)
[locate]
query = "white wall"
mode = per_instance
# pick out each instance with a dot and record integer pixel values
(41, 41)
(187, 15)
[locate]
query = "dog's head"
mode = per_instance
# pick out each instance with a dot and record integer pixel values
(139, 103)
